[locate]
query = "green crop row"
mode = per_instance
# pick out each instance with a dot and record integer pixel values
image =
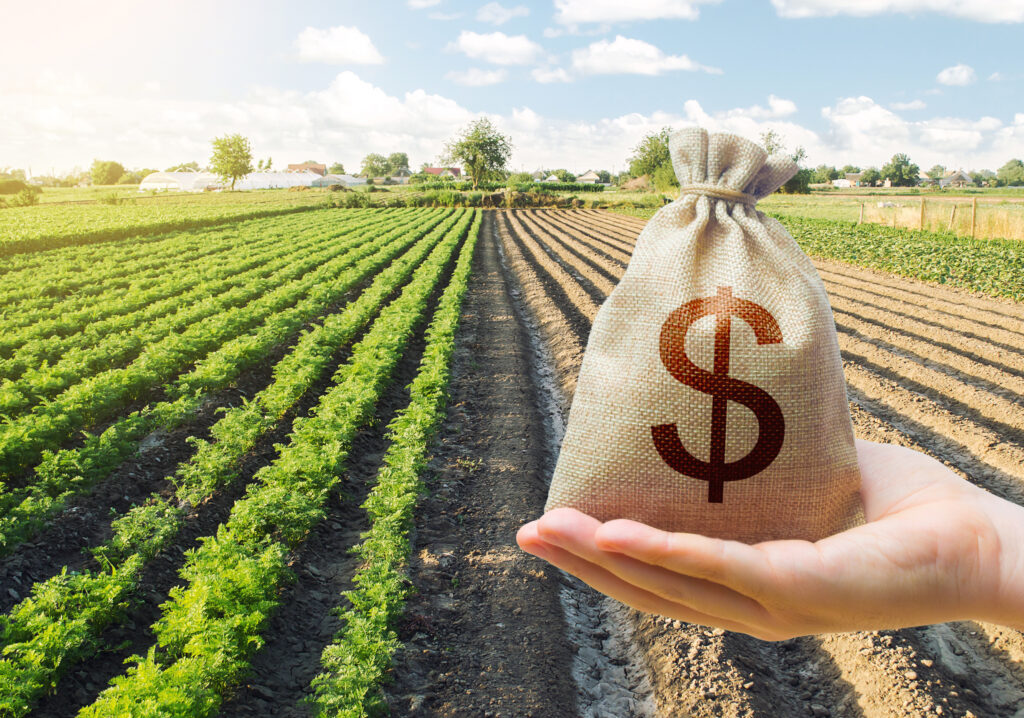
(110, 351)
(991, 266)
(149, 293)
(62, 620)
(64, 473)
(210, 627)
(36, 229)
(357, 661)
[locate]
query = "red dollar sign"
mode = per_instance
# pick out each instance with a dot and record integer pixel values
(723, 388)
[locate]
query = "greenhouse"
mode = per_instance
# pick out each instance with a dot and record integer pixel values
(179, 181)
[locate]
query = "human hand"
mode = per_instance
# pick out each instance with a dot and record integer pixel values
(934, 548)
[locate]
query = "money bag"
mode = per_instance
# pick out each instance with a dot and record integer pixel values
(711, 397)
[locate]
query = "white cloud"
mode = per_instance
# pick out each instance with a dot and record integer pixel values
(777, 107)
(912, 105)
(979, 10)
(571, 12)
(498, 14)
(476, 77)
(420, 4)
(497, 47)
(337, 46)
(546, 75)
(445, 16)
(996, 77)
(957, 75)
(629, 56)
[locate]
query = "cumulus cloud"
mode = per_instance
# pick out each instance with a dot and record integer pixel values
(476, 77)
(573, 12)
(957, 75)
(497, 47)
(546, 75)
(978, 10)
(628, 56)
(912, 105)
(777, 107)
(498, 14)
(339, 45)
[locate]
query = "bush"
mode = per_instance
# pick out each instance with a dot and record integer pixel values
(14, 186)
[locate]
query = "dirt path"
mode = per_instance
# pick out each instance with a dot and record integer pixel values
(929, 367)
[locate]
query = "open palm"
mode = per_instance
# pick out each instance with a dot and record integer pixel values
(934, 548)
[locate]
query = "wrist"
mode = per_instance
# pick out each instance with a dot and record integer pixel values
(1007, 607)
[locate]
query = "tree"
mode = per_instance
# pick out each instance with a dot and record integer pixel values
(396, 162)
(336, 169)
(849, 170)
(184, 167)
(481, 149)
(135, 176)
(519, 178)
(772, 142)
(604, 176)
(901, 171)
(106, 172)
(651, 153)
(232, 158)
(984, 178)
(870, 177)
(563, 175)
(937, 172)
(824, 174)
(374, 165)
(1012, 173)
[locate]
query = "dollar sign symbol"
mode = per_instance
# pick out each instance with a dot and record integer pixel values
(723, 389)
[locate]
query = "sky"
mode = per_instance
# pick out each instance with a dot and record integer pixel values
(574, 83)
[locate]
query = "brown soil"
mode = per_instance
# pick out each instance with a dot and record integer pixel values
(928, 367)
(484, 634)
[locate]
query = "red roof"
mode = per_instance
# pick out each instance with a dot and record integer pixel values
(456, 171)
(311, 166)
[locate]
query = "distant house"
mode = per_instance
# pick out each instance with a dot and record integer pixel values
(551, 178)
(924, 180)
(444, 172)
(842, 183)
(589, 177)
(854, 178)
(309, 167)
(959, 179)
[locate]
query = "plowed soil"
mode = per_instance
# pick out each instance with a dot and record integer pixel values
(927, 366)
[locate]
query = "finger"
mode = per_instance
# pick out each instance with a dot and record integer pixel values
(576, 533)
(607, 583)
(738, 566)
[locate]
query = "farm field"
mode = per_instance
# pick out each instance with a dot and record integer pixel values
(213, 439)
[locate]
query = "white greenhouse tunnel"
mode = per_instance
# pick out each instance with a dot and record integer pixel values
(201, 181)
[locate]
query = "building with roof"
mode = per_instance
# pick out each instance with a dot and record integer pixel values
(309, 167)
(589, 177)
(444, 172)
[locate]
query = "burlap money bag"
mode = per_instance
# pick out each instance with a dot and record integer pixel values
(711, 397)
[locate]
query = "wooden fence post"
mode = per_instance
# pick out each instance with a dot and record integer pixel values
(974, 214)
(952, 216)
(920, 224)
(861, 220)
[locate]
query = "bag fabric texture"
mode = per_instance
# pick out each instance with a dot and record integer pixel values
(711, 398)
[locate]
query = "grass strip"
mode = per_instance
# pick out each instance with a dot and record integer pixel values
(356, 663)
(211, 627)
(62, 620)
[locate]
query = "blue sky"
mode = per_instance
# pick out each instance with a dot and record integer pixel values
(575, 83)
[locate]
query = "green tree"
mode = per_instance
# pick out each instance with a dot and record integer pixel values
(232, 158)
(983, 178)
(824, 174)
(870, 177)
(106, 172)
(651, 153)
(1012, 173)
(336, 169)
(849, 170)
(519, 178)
(604, 176)
(772, 142)
(563, 175)
(184, 167)
(374, 165)
(481, 150)
(901, 171)
(397, 161)
(936, 172)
